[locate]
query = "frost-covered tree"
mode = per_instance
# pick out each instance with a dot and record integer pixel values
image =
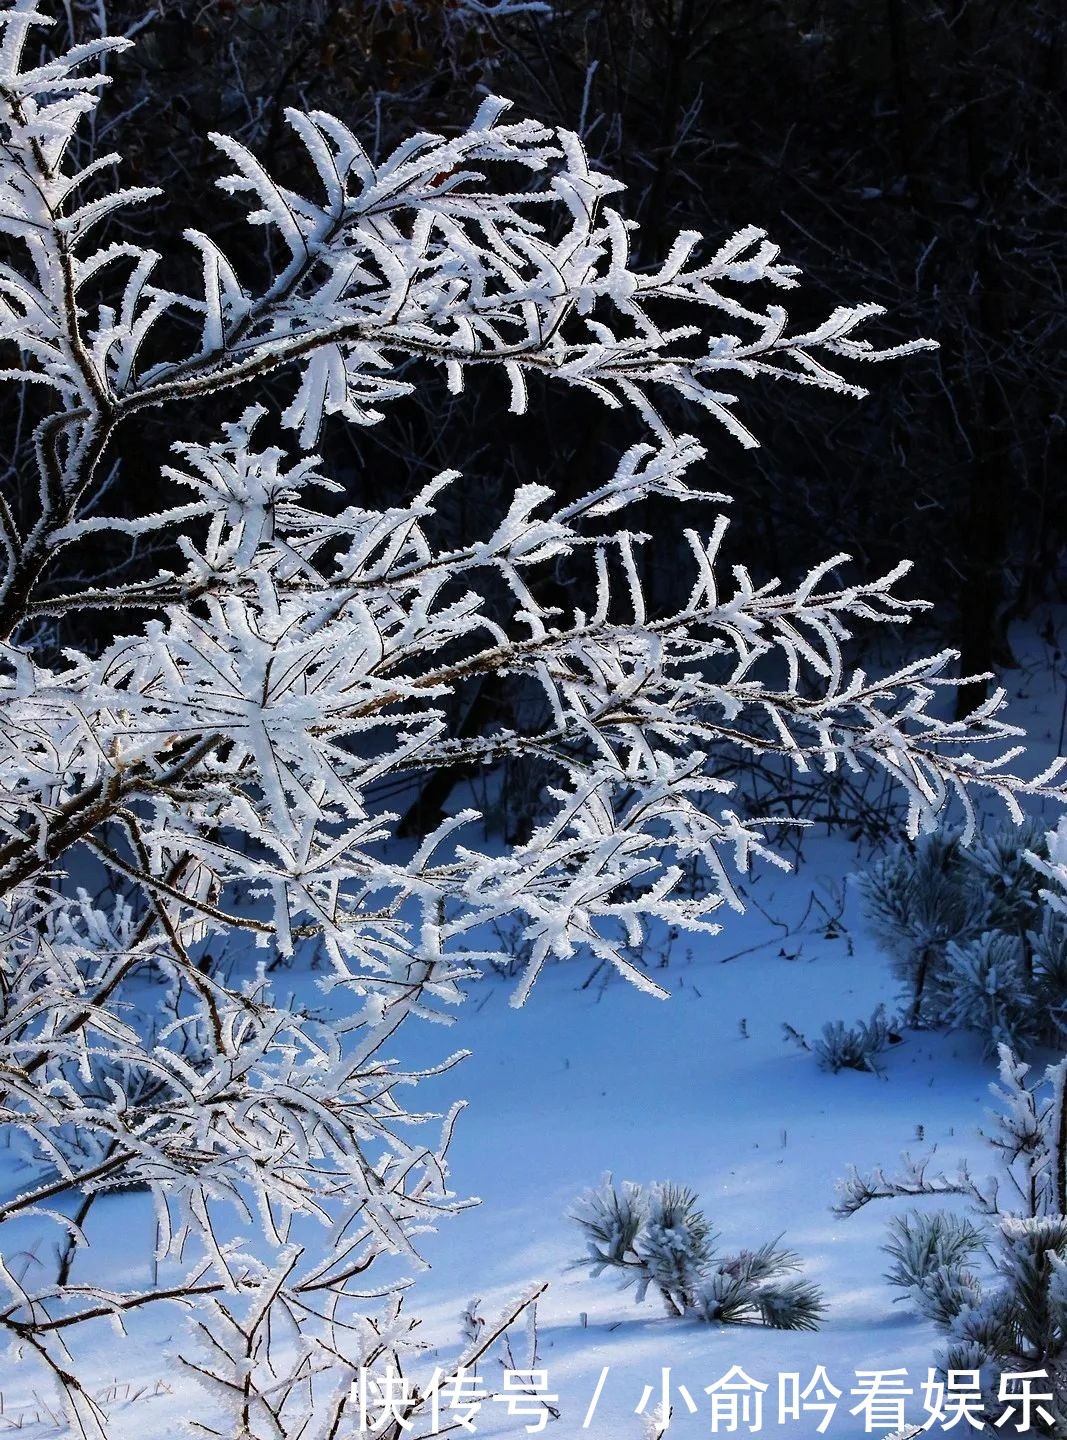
(212, 773)
(916, 903)
(996, 1288)
(973, 936)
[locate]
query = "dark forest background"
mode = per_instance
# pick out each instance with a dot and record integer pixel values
(904, 151)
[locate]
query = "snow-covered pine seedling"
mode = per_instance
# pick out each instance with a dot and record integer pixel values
(655, 1236)
(916, 900)
(1048, 949)
(851, 1047)
(854, 1047)
(995, 1288)
(271, 662)
(998, 864)
(988, 989)
(931, 1254)
(969, 935)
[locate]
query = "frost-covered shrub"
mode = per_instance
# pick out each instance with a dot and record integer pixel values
(987, 989)
(927, 1248)
(854, 1047)
(965, 928)
(994, 1284)
(1048, 948)
(655, 1236)
(851, 1047)
(916, 902)
(999, 868)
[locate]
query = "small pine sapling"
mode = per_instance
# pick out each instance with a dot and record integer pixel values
(915, 903)
(988, 990)
(998, 866)
(1049, 950)
(931, 1253)
(851, 1047)
(675, 1244)
(966, 929)
(854, 1047)
(655, 1237)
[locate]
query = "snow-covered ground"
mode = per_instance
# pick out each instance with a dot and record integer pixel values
(704, 1089)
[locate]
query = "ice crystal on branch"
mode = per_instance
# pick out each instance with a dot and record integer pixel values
(275, 656)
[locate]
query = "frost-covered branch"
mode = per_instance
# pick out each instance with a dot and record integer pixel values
(911, 1180)
(424, 254)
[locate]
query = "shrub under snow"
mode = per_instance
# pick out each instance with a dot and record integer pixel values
(655, 1236)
